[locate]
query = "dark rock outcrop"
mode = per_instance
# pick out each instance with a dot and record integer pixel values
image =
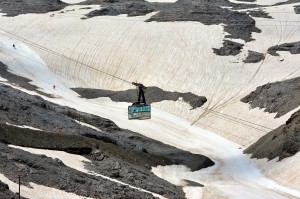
(259, 13)
(254, 57)
(229, 48)
(103, 157)
(282, 142)
(297, 9)
(20, 108)
(293, 48)
(153, 94)
(133, 153)
(129, 8)
(16, 7)
(280, 97)
(53, 173)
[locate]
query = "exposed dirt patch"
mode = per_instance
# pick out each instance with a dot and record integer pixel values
(17, 7)
(293, 48)
(282, 142)
(254, 57)
(280, 97)
(153, 94)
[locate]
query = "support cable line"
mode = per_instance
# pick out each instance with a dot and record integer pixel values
(232, 118)
(58, 54)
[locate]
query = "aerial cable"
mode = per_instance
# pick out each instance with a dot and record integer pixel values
(59, 54)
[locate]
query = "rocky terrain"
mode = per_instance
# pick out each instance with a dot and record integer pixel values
(106, 159)
(5, 193)
(238, 25)
(153, 94)
(19, 108)
(281, 98)
(282, 142)
(115, 152)
(297, 9)
(277, 97)
(229, 48)
(254, 57)
(37, 168)
(17, 7)
(293, 48)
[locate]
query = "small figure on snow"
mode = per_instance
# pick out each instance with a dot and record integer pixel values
(14, 46)
(53, 86)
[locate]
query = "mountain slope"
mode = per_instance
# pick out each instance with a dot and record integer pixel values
(176, 54)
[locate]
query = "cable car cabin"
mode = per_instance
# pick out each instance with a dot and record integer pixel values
(139, 111)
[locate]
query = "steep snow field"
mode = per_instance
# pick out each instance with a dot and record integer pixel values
(174, 56)
(233, 170)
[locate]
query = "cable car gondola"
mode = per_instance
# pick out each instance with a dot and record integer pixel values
(139, 110)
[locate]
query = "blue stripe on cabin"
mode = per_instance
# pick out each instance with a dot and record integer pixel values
(139, 108)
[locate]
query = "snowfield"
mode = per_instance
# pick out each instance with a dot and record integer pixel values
(174, 56)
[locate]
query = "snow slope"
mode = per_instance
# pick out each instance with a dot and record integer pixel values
(233, 170)
(169, 56)
(166, 55)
